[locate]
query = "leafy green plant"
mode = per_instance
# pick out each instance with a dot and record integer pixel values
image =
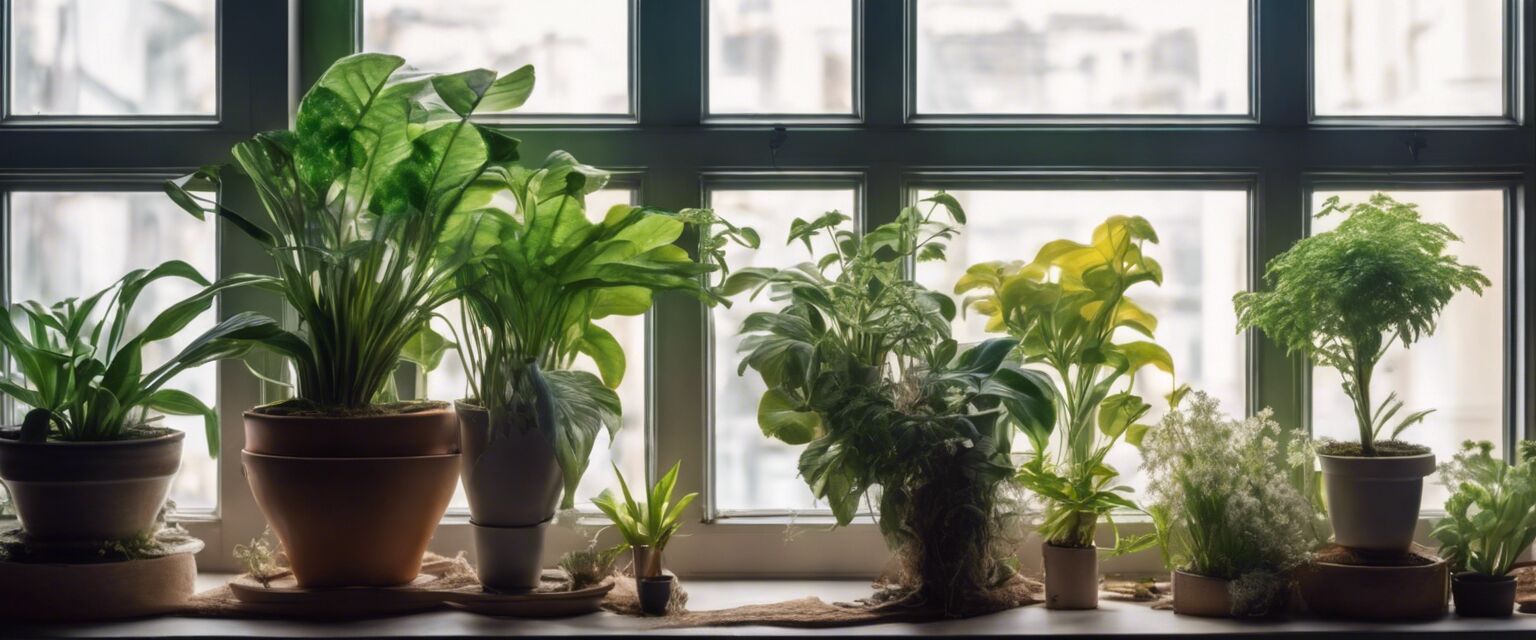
(382, 166)
(540, 278)
(1491, 516)
(650, 524)
(1068, 310)
(860, 367)
(83, 374)
(1342, 298)
(1222, 513)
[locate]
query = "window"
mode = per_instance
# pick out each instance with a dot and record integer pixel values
(1453, 371)
(781, 57)
(69, 244)
(754, 473)
(1219, 120)
(112, 58)
(1409, 57)
(1082, 57)
(627, 451)
(582, 64)
(1202, 248)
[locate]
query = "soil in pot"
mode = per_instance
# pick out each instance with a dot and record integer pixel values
(429, 429)
(1346, 583)
(1373, 503)
(1203, 596)
(655, 594)
(1071, 577)
(1483, 596)
(90, 492)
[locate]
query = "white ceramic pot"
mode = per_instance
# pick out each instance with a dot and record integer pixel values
(1071, 577)
(1373, 503)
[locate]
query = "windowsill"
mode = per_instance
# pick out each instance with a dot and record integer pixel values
(1113, 618)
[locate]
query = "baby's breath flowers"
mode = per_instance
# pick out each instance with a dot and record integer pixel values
(1232, 498)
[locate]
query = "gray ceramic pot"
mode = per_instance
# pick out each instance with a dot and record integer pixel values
(1373, 503)
(1071, 577)
(514, 485)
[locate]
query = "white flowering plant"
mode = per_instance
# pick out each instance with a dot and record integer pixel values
(1219, 509)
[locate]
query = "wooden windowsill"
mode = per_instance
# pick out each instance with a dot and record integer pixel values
(1112, 619)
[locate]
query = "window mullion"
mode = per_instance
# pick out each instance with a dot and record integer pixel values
(671, 62)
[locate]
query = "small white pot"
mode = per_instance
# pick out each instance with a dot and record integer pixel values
(508, 558)
(1373, 503)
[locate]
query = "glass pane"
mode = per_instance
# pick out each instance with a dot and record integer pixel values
(113, 57)
(1203, 251)
(751, 470)
(1408, 57)
(781, 56)
(1082, 57)
(448, 383)
(73, 244)
(579, 48)
(1454, 371)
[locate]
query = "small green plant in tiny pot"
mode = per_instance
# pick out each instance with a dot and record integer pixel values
(861, 369)
(368, 198)
(1069, 313)
(89, 463)
(1342, 298)
(1490, 521)
(647, 527)
(1230, 525)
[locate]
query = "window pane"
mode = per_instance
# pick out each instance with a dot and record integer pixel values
(448, 383)
(113, 57)
(73, 244)
(1458, 371)
(1408, 57)
(781, 56)
(1082, 57)
(579, 48)
(753, 471)
(1203, 252)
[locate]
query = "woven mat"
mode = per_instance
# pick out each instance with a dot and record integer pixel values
(456, 574)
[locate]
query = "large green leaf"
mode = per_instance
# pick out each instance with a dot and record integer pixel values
(605, 351)
(780, 417)
(583, 406)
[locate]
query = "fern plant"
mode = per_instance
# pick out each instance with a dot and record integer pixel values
(1342, 298)
(1068, 310)
(862, 370)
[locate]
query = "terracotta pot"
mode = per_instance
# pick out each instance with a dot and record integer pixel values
(509, 559)
(1373, 503)
(647, 562)
(89, 492)
(510, 474)
(1480, 595)
(1197, 595)
(1071, 577)
(422, 433)
(655, 594)
(353, 521)
(1375, 593)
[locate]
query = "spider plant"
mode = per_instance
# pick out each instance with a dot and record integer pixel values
(382, 162)
(83, 373)
(541, 278)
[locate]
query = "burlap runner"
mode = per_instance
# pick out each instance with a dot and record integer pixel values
(455, 574)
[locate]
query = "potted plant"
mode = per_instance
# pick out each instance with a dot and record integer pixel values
(383, 164)
(1490, 521)
(1067, 309)
(1230, 526)
(1342, 298)
(861, 369)
(89, 464)
(647, 527)
(539, 280)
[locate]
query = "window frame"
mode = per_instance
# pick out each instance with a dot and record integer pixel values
(856, 97)
(673, 144)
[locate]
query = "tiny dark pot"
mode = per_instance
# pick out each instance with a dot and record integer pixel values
(655, 594)
(1480, 595)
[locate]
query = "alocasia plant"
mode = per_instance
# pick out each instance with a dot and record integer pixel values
(362, 193)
